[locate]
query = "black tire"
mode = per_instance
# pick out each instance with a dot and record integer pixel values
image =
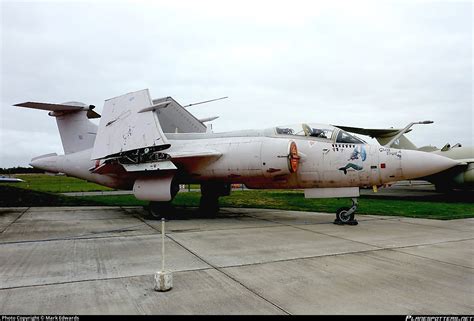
(209, 205)
(341, 215)
(159, 210)
(445, 189)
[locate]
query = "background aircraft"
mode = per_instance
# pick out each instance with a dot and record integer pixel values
(130, 150)
(457, 177)
(4, 179)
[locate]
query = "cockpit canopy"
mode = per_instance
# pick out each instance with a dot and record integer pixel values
(325, 132)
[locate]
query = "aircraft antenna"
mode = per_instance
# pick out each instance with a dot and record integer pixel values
(206, 101)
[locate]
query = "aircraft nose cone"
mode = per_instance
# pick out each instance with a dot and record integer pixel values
(417, 164)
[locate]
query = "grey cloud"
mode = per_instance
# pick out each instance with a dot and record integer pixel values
(370, 64)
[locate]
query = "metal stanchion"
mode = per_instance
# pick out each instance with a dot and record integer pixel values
(163, 279)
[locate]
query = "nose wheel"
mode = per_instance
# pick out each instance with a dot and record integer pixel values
(345, 215)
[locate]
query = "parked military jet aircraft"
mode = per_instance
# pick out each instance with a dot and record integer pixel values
(457, 177)
(130, 150)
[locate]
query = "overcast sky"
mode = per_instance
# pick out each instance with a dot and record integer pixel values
(356, 63)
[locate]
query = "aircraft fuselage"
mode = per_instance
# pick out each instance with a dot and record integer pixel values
(263, 162)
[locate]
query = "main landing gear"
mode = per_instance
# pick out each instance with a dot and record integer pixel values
(208, 205)
(158, 210)
(345, 215)
(163, 209)
(210, 193)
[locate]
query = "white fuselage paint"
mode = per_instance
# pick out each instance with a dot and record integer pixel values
(262, 162)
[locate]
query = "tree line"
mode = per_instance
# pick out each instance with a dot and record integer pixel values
(20, 170)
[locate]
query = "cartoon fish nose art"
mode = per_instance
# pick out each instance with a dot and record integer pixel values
(357, 154)
(351, 165)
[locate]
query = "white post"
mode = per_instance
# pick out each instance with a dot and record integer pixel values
(162, 244)
(163, 279)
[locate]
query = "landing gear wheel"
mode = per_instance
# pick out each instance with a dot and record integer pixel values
(158, 210)
(440, 188)
(210, 193)
(342, 216)
(209, 206)
(345, 215)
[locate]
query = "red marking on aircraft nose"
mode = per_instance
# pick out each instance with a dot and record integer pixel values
(382, 165)
(293, 158)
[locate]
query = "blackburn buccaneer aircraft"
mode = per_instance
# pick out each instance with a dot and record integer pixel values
(457, 177)
(152, 146)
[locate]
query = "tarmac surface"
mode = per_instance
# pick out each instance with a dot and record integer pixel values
(101, 260)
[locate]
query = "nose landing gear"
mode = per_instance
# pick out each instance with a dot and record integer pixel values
(345, 215)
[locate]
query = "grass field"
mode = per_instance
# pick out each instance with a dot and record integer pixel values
(31, 193)
(56, 184)
(294, 200)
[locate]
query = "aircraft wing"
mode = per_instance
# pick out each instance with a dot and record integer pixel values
(180, 154)
(390, 137)
(189, 156)
(129, 122)
(374, 133)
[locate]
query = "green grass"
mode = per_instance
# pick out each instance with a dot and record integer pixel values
(56, 184)
(294, 200)
(18, 195)
(12, 196)
(61, 184)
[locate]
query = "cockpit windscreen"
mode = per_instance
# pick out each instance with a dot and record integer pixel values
(345, 137)
(310, 130)
(320, 131)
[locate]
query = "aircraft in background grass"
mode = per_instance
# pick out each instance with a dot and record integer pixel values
(457, 177)
(152, 146)
(4, 179)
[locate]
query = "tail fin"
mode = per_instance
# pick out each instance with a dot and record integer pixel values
(401, 142)
(77, 131)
